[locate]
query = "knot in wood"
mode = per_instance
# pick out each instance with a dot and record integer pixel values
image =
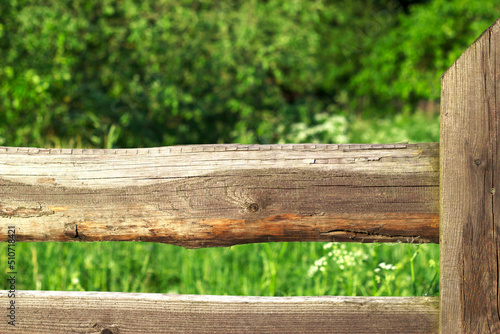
(477, 162)
(254, 207)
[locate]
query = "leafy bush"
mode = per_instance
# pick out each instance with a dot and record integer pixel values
(404, 66)
(126, 73)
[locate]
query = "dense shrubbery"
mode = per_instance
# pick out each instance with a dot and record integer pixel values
(130, 73)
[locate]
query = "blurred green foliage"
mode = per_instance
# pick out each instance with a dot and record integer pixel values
(127, 73)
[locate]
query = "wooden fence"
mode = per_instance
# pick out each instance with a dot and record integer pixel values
(222, 195)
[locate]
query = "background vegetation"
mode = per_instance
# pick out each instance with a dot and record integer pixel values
(127, 73)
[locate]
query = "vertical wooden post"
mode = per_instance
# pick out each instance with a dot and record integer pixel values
(470, 189)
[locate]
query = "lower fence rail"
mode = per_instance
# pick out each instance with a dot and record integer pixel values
(118, 312)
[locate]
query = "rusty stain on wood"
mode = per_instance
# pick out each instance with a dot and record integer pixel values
(46, 180)
(59, 208)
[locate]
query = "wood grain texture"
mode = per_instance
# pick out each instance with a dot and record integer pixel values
(470, 207)
(221, 195)
(45, 312)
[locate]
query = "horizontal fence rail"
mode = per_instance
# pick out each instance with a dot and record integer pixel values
(222, 195)
(107, 312)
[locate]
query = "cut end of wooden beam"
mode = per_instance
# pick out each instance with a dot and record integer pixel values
(495, 25)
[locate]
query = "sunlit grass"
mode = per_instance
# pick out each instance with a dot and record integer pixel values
(274, 269)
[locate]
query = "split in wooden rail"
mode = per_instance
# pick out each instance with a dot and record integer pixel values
(108, 312)
(222, 195)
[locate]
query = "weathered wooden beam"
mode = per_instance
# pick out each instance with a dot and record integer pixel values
(221, 195)
(470, 184)
(110, 312)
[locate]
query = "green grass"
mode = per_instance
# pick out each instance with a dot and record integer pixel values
(273, 269)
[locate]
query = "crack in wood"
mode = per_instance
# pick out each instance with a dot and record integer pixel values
(71, 231)
(373, 236)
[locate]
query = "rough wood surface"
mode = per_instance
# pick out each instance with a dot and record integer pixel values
(221, 195)
(470, 207)
(44, 312)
